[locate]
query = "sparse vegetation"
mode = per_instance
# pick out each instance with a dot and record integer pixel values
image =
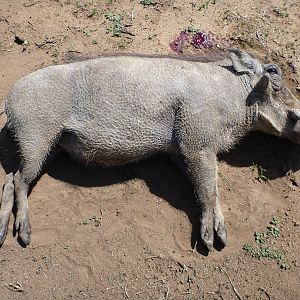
(116, 27)
(206, 4)
(85, 7)
(86, 32)
(260, 172)
(93, 12)
(260, 237)
(263, 250)
(281, 12)
(191, 30)
(266, 252)
(148, 2)
(80, 5)
(123, 43)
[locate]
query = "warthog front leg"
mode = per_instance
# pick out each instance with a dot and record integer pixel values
(7, 202)
(202, 167)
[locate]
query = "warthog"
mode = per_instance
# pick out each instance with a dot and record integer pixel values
(115, 110)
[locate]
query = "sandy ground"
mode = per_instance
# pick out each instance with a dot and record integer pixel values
(129, 232)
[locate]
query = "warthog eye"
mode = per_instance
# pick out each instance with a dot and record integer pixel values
(275, 76)
(272, 70)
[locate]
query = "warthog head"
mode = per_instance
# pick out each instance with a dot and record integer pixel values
(278, 110)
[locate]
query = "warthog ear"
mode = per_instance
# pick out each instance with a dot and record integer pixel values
(262, 89)
(243, 63)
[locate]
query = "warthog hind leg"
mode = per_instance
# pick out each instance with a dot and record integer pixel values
(22, 224)
(33, 156)
(7, 202)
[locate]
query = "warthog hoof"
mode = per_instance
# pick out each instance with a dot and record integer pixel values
(213, 224)
(220, 231)
(22, 225)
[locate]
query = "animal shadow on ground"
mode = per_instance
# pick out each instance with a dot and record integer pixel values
(163, 177)
(276, 156)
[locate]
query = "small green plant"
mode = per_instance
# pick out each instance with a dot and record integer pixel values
(94, 42)
(281, 12)
(273, 229)
(123, 44)
(87, 32)
(274, 221)
(80, 5)
(260, 237)
(206, 4)
(93, 12)
(262, 250)
(148, 2)
(283, 265)
(191, 30)
(63, 2)
(260, 172)
(268, 253)
(116, 27)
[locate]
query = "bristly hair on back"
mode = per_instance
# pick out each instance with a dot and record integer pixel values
(205, 56)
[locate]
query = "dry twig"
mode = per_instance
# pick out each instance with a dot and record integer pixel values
(233, 287)
(125, 292)
(258, 37)
(31, 3)
(267, 294)
(152, 256)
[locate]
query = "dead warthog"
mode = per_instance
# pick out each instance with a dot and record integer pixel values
(119, 109)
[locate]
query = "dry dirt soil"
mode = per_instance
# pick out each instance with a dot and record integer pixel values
(131, 232)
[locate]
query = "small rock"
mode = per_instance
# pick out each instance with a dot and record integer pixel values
(296, 223)
(18, 40)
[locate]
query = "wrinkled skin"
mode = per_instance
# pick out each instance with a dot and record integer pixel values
(114, 110)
